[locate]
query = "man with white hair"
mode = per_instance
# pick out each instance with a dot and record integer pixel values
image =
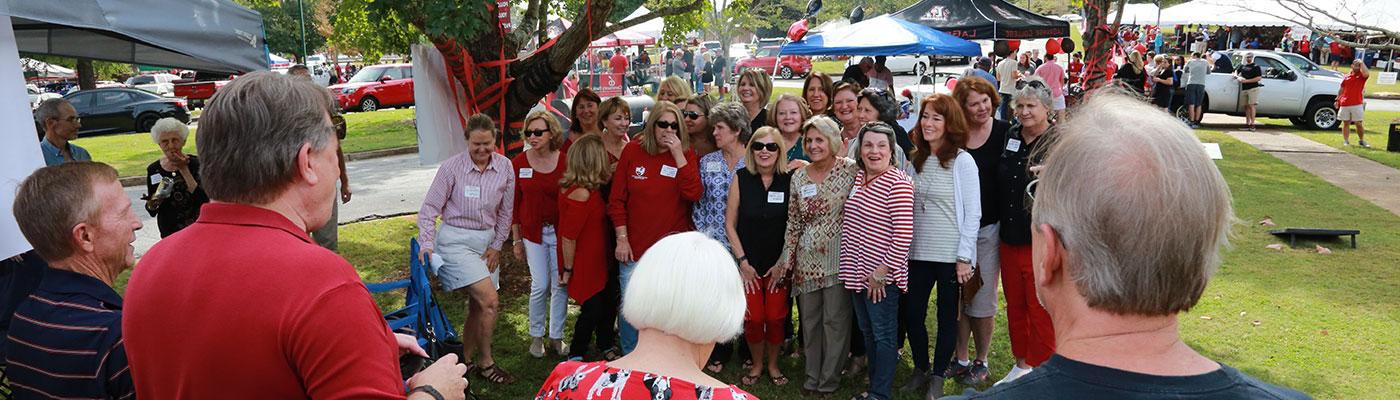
(1124, 239)
(61, 123)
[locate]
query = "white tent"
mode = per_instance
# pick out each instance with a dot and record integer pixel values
(1137, 14)
(45, 70)
(1381, 13)
(650, 28)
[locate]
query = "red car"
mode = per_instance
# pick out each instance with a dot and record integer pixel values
(375, 87)
(764, 58)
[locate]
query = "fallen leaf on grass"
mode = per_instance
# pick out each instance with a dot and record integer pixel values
(1323, 332)
(1256, 322)
(1267, 221)
(1275, 246)
(1205, 317)
(1323, 250)
(1242, 313)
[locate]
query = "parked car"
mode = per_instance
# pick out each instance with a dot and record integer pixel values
(1303, 63)
(1287, 92)
(375, 87)
(61, 88)
(123, 110)
(766, 58)
(914, 65)
(36, 97)
(712, 46)
(161, 84)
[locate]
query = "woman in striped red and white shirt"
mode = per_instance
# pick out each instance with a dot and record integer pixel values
(876, 231)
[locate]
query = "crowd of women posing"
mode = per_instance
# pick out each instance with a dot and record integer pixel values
(821, 200)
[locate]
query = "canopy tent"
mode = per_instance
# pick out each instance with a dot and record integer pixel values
(279, 61)
(1137, 14)
(1273, 13)
(39, 69)
(883, 36)
(643, 34)
(209, 35)
(983, 19)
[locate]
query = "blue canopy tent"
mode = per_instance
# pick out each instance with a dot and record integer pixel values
(883, 36)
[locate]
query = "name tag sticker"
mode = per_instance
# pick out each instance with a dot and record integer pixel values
(1013, 145)
(808, 190)
(776, 197)
(714, 166)
(854, 190)
(472, 192)
(155, 179)
(527, 172)
(668, 171)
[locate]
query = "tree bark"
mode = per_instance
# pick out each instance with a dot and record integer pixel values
(87, 77)
(1098, 40)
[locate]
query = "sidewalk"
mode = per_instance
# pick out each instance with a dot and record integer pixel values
(1364, 178)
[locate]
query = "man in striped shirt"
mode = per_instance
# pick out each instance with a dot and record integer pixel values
(65, 340)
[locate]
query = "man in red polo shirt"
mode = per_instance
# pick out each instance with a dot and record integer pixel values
(243, 304)
(1351, 103)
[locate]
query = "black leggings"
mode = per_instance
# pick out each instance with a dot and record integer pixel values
(913, 312)
(596, 317)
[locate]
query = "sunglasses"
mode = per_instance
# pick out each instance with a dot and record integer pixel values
(756, 146)
(668, 125)
(537, 132)
(691, 115)
(1034, 84)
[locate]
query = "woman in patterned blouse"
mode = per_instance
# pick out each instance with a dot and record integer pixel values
(730, 124)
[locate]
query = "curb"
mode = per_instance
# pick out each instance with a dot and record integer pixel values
(364, 155)
(1383, 96)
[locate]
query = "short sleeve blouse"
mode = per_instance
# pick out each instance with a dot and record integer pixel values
(709, 211)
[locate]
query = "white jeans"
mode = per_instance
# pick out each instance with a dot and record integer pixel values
(545, 288)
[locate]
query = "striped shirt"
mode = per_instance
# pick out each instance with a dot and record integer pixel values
(469, 198)
(66, 341)
(877, 229)
(947, 210)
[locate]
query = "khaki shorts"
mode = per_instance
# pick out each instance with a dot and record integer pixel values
(1354, 113)
(1250, 97)
(457, 258)
(984, 303)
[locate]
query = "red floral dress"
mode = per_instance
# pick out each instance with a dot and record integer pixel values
(576, 380)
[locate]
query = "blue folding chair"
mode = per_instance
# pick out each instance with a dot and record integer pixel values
(420, 315)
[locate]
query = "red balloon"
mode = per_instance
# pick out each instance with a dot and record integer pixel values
(1052, 47)
(1015, 45)
(797, 30)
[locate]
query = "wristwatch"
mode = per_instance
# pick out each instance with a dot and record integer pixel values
(964, 260)
(429, 390)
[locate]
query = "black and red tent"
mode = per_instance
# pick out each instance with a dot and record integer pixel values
(983, 19)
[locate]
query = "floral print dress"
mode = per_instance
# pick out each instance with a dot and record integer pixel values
(576, 380)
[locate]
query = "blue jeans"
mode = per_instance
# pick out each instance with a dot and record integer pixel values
(879, 323)
(627, 334)
(1005, 109)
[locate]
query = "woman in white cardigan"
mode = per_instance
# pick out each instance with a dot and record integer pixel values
(947, 214)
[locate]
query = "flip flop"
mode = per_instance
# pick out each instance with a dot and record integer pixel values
(750, 380)
(780, 380)
(715, 367)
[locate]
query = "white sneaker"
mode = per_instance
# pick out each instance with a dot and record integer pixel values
(1015, 373)
(1364, 144)
(537, 347)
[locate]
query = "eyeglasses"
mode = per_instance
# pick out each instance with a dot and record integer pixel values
(756, 146)
(537, 132)
(668, 125)
(691, 115)
(1030, 193)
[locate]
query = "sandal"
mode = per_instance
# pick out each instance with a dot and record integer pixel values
(496, 375)
(862, 396)
(750, 380)
(471, 367)
(612, 354)
(780, 380)
(715, 366)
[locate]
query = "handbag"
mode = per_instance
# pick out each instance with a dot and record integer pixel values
(969, 290)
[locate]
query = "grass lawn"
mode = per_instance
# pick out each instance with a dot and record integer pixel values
(830, 67)
(130, 153)
(1318, 323)
(1377, 135)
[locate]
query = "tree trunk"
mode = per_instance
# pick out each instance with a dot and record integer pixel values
(1098, 40)
(87, 77)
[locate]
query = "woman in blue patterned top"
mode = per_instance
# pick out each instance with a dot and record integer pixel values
(729, 122)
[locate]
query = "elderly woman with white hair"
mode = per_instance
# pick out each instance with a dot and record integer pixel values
(173, 194)
(684, 297)
(1032, 334)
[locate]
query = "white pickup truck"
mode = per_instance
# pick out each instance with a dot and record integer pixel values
(1304, 97)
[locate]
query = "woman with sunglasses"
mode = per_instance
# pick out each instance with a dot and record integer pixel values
(876, 232)
(537, 173)
(817, 90)
(755, 219)
(653, 188)
(946, 216)
(583, 116)
(789, 112)
(1032, 334)
(843, 107)
(616, 120)
(754, 87)
(697, 123)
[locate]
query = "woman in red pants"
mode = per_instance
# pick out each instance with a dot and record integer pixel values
(755, 221)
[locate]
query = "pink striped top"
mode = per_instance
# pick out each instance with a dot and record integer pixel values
(467, 197)
(877, 229)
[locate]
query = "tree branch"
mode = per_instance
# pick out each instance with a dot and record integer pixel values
(657, 13)
(527, 26)
(1307, 20)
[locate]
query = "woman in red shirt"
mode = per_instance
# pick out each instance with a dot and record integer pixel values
(615, 119)
(584, 244)
(537, 173)
(655, 184)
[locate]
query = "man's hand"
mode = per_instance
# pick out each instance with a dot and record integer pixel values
(493, 259)
(445, 376)
(409, 345)
(345, 193)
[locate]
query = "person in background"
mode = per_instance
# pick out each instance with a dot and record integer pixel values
(1163, 79)
(1222, 63)
(653, 188)
(755, 221)
(858, 73)
(673, 89)
(533, 229)
(702, 66)
(789, 112)
(880, 75)
(1249, 75)
(817, 90)
(1196, 72)
(986, 140)
(1116, 300)
(729, 122)
(585, 265)
(1026, 64)
(1351, 103)
(811, 249)
(1007, 74)
(61, 123)
(685, 297)
(1132, 74)
(66, 339)
(583, 116)
(697, 123)
(1032, 334)
(754, 89)
(721, 70)
(618, 62)
(1054, 76)
(173, 194)
(876, 105)
(982, 69)
(328, 235)
(876, 231)
(311, 330)
(844, 105)
(1076, 68)
(688, 65)
(616, 120)
(947, 210)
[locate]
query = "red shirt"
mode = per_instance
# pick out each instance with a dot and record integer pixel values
(1076, 71)
(651, 197)
(243, 305)
(585, 223)
(618, 63)
(575, 380)
(1352, 86)
(536, 197)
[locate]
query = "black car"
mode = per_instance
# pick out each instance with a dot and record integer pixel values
(117, 110)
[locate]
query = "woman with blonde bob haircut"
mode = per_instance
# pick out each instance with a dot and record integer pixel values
(584, 244)
(673, 89)
(684, 297)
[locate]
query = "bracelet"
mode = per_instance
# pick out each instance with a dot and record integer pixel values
(429, 390)
(742, 258)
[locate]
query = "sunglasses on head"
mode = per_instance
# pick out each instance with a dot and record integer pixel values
(1034, 84)
(537, 132)
(756, 146)
(691, 115)
(668, 125)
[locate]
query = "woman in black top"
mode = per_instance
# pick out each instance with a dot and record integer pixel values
(1164, 80)
(756, 219)
(173, 193)
(1133, 74)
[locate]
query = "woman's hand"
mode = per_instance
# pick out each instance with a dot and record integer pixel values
(425, 255)
(775, 277)
(517, 249)
(671, 142)
(964, 272)
(876, 284)
(492, 258)
(624, 250)
(750, 277)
